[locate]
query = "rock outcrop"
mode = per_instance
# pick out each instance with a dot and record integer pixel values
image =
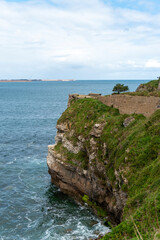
(152, 87)
(127, 121)
(76, 181)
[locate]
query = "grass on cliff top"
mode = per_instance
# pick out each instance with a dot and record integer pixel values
(84, 113)
(147, 89)
(134, 152)
(143, 93)
(151, 85)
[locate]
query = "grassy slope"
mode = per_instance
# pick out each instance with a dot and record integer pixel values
(147, 89)
(134, 151)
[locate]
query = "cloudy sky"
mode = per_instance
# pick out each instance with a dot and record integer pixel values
(80, 39)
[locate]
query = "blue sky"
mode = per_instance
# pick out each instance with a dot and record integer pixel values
(87, 39)
(141, 5)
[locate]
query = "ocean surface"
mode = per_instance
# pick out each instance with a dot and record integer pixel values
(30, 207)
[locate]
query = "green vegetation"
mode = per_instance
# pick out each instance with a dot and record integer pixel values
(84, 113)
(144, 93)
(147, 89)
(134, 152)
(152, 85)
(120, 88)
(99, 210)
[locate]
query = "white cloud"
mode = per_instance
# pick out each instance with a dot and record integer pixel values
(80, 39)
(152, 64)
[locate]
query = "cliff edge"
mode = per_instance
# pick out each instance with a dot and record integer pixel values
(110, 161)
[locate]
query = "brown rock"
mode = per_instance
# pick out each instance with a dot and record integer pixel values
(78, 182)
(92, 223)
(128, 120)
(69, 230)
(97, 129)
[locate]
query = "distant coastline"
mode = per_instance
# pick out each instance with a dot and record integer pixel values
(37, 80)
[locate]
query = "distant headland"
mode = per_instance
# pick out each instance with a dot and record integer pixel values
(36, 80)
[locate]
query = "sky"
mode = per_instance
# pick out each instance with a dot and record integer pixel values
(80, 39)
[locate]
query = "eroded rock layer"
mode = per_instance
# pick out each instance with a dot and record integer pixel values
(85, 176)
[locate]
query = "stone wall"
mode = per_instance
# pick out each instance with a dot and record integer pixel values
(126, 103)
(132, 104)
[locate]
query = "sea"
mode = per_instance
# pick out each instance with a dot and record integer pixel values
(31, 208)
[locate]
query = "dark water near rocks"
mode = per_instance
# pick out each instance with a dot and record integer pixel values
(30, 207)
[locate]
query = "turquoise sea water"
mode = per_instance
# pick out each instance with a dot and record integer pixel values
(30, 207)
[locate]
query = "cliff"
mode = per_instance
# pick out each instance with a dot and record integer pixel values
(150, 87)
(73, 161)
(110, 161)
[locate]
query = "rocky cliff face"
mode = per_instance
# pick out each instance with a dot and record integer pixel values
(75, 167)
(91, 180)
(110, 161)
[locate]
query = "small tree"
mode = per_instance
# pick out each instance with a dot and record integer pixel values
(120, 88)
